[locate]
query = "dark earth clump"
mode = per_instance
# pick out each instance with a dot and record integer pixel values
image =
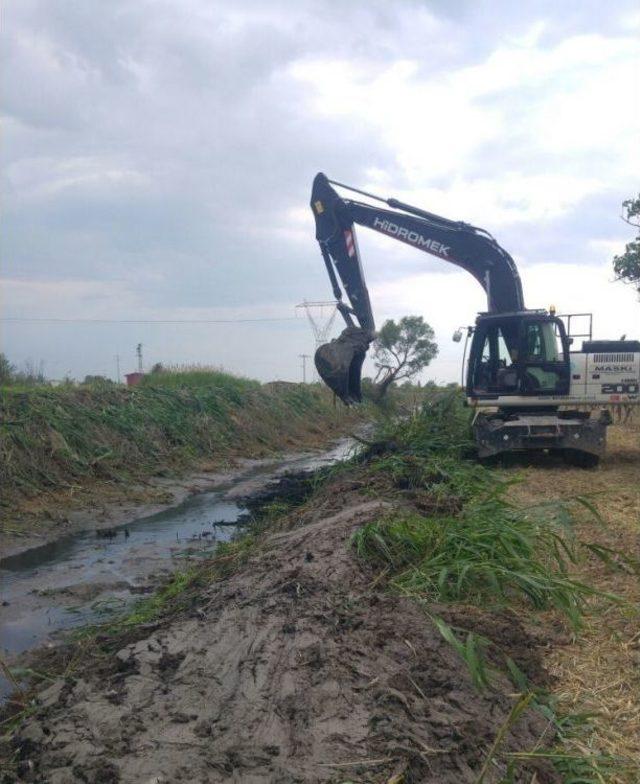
(291, 490)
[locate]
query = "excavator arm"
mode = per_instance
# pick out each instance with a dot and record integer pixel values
(339, 363)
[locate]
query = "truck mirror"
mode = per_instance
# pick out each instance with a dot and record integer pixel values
(457, 336)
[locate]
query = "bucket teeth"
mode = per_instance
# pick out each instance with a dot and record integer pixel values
(339, 363)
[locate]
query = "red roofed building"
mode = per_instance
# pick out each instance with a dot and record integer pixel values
(133, 379)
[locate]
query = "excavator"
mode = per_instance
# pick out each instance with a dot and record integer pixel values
(528, 388)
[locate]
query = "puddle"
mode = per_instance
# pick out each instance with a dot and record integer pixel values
(86, 576)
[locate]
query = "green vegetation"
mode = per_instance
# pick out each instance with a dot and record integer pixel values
(195, 377)
(52, 438)
(627, 265)
(472, 545)
(402, 350)
(489, 552)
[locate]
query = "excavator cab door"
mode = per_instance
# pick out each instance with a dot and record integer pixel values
(525, 355)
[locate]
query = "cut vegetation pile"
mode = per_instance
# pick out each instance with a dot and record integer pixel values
(387, 621)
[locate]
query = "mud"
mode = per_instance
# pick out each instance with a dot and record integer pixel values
(299, 667)
(93, 575)
(51, 516)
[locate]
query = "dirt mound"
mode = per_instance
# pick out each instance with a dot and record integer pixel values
(295, 669)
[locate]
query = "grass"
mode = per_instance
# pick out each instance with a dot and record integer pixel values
(476, 545)
(491, 552)
(199, 377)
(52, 438)
(458, 538)
(440, 427)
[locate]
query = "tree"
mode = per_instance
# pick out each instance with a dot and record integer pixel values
(627, 266)
(402, 350)
(31, 375)
(98, 381)
(6, 370)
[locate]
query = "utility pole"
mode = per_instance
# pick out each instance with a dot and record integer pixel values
(304, 358)
(139, 353)
(117, 358)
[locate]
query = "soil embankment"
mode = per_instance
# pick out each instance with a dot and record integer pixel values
(95, 457)
(296, 667)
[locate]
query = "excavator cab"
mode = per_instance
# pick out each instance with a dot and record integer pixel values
(520, 354)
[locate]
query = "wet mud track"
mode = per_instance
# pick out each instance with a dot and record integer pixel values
(93, 574)
(296, 668)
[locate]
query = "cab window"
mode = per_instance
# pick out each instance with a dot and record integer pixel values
(543, 360)
(541, 343)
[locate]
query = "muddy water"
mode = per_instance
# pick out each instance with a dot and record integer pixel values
(90, 575)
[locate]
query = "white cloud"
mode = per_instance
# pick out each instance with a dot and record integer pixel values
(607, 248)
(45, 177)
(566, 113)
(426, 122)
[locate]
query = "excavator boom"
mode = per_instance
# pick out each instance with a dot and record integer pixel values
(339, 363)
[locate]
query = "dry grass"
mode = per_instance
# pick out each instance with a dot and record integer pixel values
(598, 672)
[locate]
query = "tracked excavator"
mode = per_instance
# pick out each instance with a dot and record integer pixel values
(528, 388)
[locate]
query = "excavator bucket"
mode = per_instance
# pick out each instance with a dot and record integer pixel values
(339, 363)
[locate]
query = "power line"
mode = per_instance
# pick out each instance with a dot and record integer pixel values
(146, 321)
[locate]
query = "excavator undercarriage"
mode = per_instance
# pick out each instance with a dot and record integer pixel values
(580, 438)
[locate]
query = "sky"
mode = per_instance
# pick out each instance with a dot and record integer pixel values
(157, 159)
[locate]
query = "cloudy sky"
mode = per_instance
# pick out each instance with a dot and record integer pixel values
(157, 157)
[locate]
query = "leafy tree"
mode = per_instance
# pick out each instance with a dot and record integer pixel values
(158, 368)
(6, 370)
(627, 266)
(402, 350)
